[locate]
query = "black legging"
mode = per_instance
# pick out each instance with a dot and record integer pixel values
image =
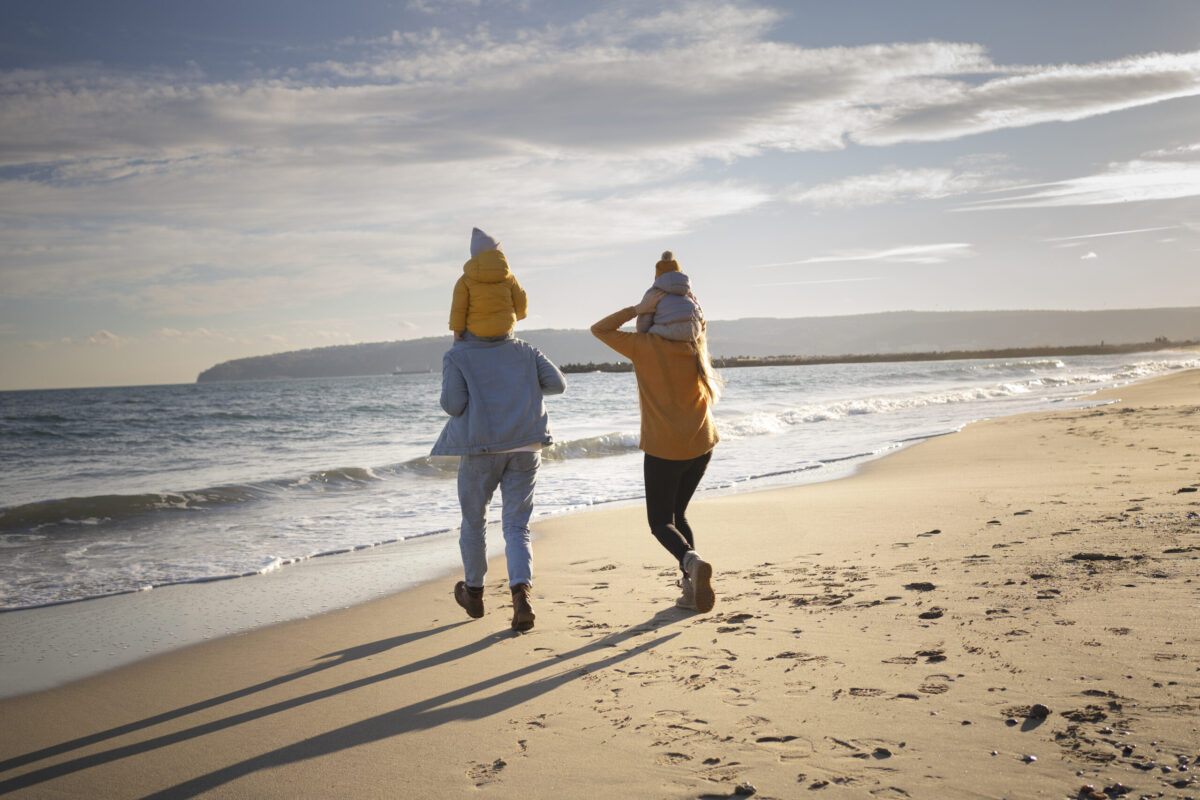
(669, 488)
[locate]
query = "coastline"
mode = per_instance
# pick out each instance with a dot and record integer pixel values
(733, 362)
(817, 662)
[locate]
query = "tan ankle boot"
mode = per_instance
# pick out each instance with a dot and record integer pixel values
(523, 615)
(687, 596)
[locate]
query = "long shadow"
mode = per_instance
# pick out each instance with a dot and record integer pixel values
(416, 716)
(327, 661)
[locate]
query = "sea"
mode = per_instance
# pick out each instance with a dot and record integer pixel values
(105, 491)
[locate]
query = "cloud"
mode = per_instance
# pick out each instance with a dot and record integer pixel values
(818, 281)
(194, 335)
(1037, 95)
(910, 254)
(893, 185)
(1129, 182)
(1081, 240)
(1089, 256)
(696, 79)
(100, 338)
(174, 194)
(1189, 152)
(1110, 233)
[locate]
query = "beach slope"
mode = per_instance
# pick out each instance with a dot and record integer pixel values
(1005, 612)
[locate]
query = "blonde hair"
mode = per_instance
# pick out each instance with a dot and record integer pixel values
(710, 380)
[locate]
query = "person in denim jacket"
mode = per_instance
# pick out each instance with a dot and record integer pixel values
(492, 388)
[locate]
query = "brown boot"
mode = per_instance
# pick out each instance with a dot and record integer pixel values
(469, 598)
(699, 572)
(522, 612)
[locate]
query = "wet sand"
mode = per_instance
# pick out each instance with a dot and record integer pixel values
(1006, 612)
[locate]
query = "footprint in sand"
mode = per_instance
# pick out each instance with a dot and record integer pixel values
(900, 660)
(786, 747)
(878, 749)
(935, 684)
(672, 759)
(672, 726)
(737, 697)
(580, 623)
(483, 774)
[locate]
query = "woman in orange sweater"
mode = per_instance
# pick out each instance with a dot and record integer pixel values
(677, 388)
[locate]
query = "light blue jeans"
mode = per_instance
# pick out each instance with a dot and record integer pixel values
(478, 477)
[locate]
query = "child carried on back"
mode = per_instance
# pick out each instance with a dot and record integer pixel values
(487, 298)
(678, 315)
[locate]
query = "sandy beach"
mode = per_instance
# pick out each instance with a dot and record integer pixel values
(1010, 611)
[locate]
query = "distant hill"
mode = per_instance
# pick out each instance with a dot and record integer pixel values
(886, 333)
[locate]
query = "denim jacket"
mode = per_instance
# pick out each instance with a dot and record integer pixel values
(492, 389)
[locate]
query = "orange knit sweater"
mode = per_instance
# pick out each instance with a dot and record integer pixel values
(677, 421)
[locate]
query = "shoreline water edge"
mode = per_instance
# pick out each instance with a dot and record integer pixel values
(61, 640)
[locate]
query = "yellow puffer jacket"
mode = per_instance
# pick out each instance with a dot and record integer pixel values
(487, 298)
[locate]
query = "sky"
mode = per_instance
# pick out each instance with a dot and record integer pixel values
(186, 183)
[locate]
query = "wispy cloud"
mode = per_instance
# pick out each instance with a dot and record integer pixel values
(194, 335)
(1038, 94)
(100, 338)
(910, 254)
(1109, 233)
(1129, 182)
(819, 281)
(1088, 256)
(894, 185)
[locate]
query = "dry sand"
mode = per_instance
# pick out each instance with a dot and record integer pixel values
(890, 635)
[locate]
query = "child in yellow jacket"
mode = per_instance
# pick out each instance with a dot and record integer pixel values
(487, 298)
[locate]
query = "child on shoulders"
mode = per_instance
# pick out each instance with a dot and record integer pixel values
(488, 300)
(678, 316)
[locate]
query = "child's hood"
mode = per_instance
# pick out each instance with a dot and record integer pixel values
(490, 266)
(673, 283)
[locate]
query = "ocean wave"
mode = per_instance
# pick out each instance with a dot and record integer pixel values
(778, 421)
(99, 509)
(36, 417)
(608, 444)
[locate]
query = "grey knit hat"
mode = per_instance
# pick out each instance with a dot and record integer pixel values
(481, 242)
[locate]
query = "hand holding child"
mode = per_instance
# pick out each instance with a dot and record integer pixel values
(650, 301)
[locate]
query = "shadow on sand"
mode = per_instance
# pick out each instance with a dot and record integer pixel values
(456, 704)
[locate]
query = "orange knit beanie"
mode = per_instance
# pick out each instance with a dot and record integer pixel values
(666, 264)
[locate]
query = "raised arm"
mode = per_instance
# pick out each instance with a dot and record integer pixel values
(606, 330)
